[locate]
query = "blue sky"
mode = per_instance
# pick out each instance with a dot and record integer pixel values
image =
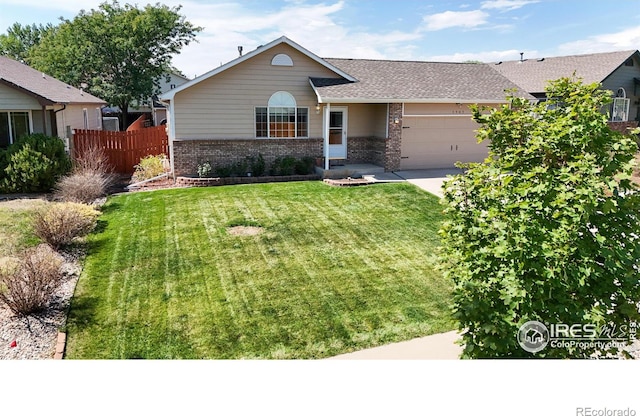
(488, 30)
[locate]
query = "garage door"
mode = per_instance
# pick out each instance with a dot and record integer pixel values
(439, 142)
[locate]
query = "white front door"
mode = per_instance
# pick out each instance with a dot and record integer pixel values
(338, 133)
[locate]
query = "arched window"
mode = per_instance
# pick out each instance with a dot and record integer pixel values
(281, 117)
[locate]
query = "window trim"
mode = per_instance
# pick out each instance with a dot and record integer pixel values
(268, 136)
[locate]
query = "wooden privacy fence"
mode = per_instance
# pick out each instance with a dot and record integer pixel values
(123, 148)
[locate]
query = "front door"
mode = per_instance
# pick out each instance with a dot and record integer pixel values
(338, 133)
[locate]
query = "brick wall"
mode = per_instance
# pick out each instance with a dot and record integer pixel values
(187, 154)
(622, 126)
(366, 150)
(394, 142)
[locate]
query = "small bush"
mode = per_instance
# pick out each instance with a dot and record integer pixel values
(59, 224)
(84, 186)
(91, 178)
(28, 285)
(149, 167)
(204, 170)
(304, 166)
(33, 164)
(283, 166)
(258, 165)
(92, 159)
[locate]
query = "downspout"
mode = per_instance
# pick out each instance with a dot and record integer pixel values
(327, 116)
(64, 107)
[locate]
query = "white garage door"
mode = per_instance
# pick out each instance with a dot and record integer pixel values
(439, 142)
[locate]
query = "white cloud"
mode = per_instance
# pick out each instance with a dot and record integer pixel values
(624, 39)
(486, 56)
(449, 19)
(506, 5)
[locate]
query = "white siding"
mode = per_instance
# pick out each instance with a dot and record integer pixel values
(12, 99)
(223, 106)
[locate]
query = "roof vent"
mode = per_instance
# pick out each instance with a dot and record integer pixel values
(521, 56)
(541, 60)
(240, 50)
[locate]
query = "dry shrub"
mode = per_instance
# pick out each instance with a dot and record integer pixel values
(93, 159)
(91, 178)
(149, 167)
(84, 186)
(60, 223)
(28, 284)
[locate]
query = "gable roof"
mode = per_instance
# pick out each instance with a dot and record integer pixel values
(260, 49)
(533, 75)
(46, 89)
(414, 81)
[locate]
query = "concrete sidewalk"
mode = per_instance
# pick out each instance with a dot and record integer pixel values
(430, 180)
(432, 347)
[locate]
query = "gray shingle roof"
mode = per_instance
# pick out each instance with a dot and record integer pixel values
(46, 88)
(413, 81)
(533, 75)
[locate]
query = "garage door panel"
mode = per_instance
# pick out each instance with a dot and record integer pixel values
(439, 142)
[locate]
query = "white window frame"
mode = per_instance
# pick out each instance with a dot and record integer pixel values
(85, 118)
(268, 108)
(12, 139)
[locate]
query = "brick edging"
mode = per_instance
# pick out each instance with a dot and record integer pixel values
(61, 344)
(188, 181)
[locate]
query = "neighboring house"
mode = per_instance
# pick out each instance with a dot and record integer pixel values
(154, 110)
(33, 102)
(281, 99)
(167, 83)
(618, 72)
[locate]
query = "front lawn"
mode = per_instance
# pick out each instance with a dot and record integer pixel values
(15, 225)
(333, 270)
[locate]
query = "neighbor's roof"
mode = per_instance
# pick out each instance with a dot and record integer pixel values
(46, 89)
(413, 81)
(533, 75)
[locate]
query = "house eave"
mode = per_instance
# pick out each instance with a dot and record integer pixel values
(170, 94)
(324, 100)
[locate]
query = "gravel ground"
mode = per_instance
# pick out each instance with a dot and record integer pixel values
(36, 336)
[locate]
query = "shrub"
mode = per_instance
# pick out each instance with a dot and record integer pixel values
(149, 167)
(84, 186)
(258, 165)
(60, 223)
(33, 164)
(283, 166)
(546, 229)
(92, 159)
(28, 285)
(304, 166)
(90, 179)
(204, 170)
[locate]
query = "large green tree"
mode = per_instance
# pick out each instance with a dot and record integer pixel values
(119, 51)
(19, 40)
(546, 229)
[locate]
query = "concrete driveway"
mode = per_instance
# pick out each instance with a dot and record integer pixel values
(430, 180)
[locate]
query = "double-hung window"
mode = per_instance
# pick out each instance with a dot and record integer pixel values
(13, 125)
(282, 118)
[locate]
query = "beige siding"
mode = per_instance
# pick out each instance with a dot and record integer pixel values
(417, 109)
(367, 120)
(223, 106)
(72, 117)
(12, 99)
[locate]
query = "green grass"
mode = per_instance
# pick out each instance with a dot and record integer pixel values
(16, 232)
(334, 270)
